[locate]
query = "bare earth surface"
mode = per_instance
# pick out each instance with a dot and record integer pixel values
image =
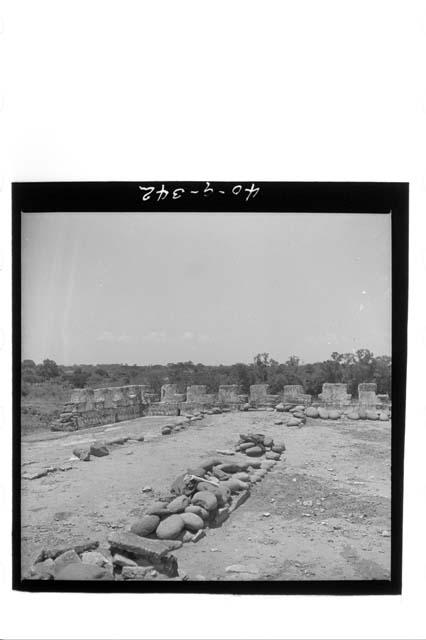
(320, 514)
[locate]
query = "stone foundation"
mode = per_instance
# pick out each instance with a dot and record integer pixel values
(335, 395)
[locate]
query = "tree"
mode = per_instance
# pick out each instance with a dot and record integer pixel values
(48, 370)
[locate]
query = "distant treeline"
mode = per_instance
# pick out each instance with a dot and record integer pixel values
(351, 368)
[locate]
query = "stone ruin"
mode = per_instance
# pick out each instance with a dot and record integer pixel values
(335, 395)
(295, 393)
(94, 407)
(259, 396)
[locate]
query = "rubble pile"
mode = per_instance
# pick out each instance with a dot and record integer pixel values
(200, 498)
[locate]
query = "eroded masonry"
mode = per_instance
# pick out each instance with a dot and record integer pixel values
(93, 407)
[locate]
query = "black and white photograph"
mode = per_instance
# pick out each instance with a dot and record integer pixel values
(206, 396)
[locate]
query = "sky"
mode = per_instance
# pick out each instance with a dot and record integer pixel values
(215, 288)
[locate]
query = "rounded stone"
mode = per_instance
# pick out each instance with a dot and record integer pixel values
(165, 431)
(192, 521)
(230, 467)
(312, 412)
(333, 414)
(372, 415)
(268, 442)
(362, 414)
(299, 414)
(383, 416)
(170, 527)
(205, 499)
(353, 415)
(245, 445)
(254, 452)
(323, 413)
(145, 525)
(178, 504)
(198, 510)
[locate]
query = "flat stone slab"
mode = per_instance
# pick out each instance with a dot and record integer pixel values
(150, 549)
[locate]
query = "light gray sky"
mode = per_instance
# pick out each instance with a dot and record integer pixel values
(212, 288)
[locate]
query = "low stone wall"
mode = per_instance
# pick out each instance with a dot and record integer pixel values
(335, 394)
(163, 409)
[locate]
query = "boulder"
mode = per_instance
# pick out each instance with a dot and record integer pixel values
(299, 414)
(383, 416)
(362, 413)
(221, 492)
(245, 407)
(372, 415)
(99, 449)
(146, 525)
(83, 453)
(165, 431)
(278, 447)
(268, 442)
(199, 511)
(255, 452)
(192, 522)
(150, 550)
(45, 569)
(82, 571)
(170, 527)
(279, 407)
(178, 505)
(205, 499)
(353, 415)
(311, 412)
(251, 462)
(278, 422)
(333, 414)
(323, 413)
(272, 455)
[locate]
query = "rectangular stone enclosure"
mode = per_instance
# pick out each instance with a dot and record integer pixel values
(335, 394)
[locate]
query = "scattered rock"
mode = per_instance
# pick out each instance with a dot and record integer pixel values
(386, 534)
(146, 489)
(94, 557)
(383, 416)
(99, 449)
(268, 442)
(278, 447)
(280, 407)
(165, 431)
(154, 551)
(372, 415)
(278, 422)
(272, 455)
(69, 557)
(225, 452)
(82, 453)
(323, 413)
(79, 547)
(45, 568)
(145, 525)
(135, 573)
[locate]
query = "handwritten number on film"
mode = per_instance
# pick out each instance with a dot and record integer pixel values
(161, 193)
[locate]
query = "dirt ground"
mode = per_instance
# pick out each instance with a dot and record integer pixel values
(322, 513)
